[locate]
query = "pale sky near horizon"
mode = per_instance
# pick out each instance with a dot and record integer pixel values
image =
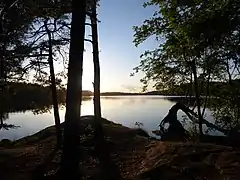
(118, 55)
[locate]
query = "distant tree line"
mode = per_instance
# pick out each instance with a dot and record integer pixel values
(20, 96)
(217, 89)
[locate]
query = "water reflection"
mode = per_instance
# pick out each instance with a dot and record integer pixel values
(26, 121)
(126, 110)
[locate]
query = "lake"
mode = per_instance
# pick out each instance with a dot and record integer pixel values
(126, 110)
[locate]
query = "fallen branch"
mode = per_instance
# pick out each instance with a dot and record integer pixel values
(172, 115)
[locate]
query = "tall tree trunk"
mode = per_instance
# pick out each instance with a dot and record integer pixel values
(1, 119)
(53, 86)
(3, 72)
(2, 50)
(234, 92)
(229, 74)
(197, 96)
(108, 168)
(70, 158)
(192, 100)
(2, 79)
(207, 94)
(96, 64)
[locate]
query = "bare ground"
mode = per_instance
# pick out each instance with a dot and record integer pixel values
(135, 156)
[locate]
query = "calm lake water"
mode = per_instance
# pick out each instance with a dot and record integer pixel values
(126, 110)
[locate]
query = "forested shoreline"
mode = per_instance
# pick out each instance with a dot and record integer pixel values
(216, 89)
(21, 96)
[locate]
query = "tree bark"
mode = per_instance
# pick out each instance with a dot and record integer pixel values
(197, 96)
(53, 87)
(70, 157)
(3, 73)
(96, 64)
(98, 131)
(1, 120)
(108, 168)
(206, 94)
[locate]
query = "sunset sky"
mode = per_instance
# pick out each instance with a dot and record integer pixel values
(118, 55)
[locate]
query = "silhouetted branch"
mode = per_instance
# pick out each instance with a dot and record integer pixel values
(37, 32)
(33, 55)
(8, 126)
(88, 24)
(189, 112)
(88, 40)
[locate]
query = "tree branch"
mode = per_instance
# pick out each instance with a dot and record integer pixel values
(88, 24)
(88, 40)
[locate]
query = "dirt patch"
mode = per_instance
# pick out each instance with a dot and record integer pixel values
(133, 153)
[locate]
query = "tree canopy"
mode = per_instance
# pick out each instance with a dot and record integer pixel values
(198, 43)
(205, 31)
